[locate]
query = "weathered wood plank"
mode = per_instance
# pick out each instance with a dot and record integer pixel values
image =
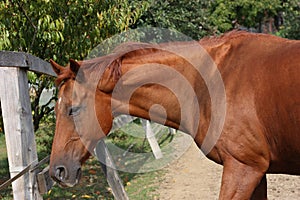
(22, 59)
(40, 66)
(44, 181)
(13, 59)
(111, 173)
(151, 139)
(19, 136)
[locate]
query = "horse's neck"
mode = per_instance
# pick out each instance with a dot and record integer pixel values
(163, 86)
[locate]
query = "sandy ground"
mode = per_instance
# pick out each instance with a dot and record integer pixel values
(194, 177)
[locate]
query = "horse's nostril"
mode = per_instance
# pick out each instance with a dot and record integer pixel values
(60, 173)
(64, 176)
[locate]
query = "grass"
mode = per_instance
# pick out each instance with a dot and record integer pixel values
(4, 172)
(93, 185)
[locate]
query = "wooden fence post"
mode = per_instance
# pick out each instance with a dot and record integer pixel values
(19, 135)
(110, 172)
(151, 139)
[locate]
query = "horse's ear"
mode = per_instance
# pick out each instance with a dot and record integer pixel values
(56, 67)
(74, 66)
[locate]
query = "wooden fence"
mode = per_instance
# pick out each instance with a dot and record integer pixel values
(17, 118)
(19, 134)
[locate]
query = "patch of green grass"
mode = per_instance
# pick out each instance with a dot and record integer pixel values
(144, 186)
(138, 186)
(133, 138)
(93, 185)
(4, 172)
(44, 137)
(2, 146)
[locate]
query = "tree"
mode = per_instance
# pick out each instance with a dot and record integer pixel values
(206, 17)
(290, 12)
(279, 17)
(226, 15)
(185, 16)
(59, 30)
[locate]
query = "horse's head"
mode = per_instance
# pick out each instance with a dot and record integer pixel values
(75, 134)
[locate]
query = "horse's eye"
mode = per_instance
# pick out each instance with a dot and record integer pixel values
(74, 110)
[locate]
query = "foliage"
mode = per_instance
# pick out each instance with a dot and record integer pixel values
(250, 13)
(185, 16)
(268, 16)
(44, 136)
(291, 14)
(63, 29)
(200, 18)
(59, 30)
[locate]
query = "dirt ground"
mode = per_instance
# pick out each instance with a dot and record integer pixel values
(194, 177)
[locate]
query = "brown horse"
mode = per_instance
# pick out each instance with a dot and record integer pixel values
(255, 107)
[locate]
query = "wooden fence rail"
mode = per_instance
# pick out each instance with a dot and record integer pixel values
(25, 61)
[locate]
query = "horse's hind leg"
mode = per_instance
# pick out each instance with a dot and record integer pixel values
(260, 191)
(240, 181)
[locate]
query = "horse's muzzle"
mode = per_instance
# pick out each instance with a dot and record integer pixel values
(65, 177)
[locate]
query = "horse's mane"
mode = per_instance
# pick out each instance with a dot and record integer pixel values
(113, 60)
(231, 35)
(235, 35)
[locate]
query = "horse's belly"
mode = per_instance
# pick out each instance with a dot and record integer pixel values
(285, 167)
